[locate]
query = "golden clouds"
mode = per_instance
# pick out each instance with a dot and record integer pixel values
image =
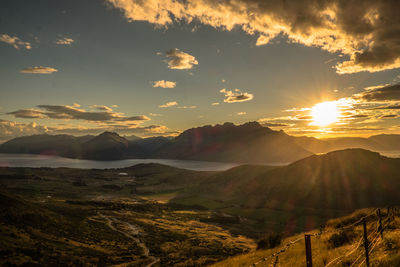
(367, 31)
(39, 70)
(179, 60)
(15, 41)
(236, 96)
(164, 84)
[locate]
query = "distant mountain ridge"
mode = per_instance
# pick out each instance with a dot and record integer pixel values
(246, 143)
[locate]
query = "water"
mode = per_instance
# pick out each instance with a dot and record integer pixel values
(28, 160)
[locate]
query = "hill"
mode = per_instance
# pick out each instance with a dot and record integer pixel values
(339, 243)
(301, 195)
(106, 146)
(246, 143)
(45, 144)
(346, 179)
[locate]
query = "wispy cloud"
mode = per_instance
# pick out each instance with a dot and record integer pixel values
(236, 96)
(187, 107)
(168, 104)
(164, 84)
(15, 41)
(66, 112)
(39, 70)
(101, 107)
(65, 41)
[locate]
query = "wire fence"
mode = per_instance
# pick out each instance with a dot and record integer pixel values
(371, 241)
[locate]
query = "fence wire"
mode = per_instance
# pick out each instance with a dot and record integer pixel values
(371, 244)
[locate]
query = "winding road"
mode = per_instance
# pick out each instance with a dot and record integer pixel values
(130, 231)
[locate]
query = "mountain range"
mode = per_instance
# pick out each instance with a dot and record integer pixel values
(247, 143)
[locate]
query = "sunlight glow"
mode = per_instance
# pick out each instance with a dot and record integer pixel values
(325, 113)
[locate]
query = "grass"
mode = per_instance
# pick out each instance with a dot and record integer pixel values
(386, 252)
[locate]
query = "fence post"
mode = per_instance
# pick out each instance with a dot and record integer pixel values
(307, 239)
(276, 261)
(380, 228)
(366, 243)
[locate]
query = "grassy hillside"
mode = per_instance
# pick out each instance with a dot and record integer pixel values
(303, 194)
(337, 244)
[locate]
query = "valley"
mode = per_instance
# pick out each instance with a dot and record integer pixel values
(152, 214)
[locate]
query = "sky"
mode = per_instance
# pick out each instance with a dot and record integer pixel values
(151, 68)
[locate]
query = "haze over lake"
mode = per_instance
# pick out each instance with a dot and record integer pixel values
(37, 161)
(29, 160)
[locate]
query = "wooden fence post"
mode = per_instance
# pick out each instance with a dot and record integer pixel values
(276, 261)
(380, 228)
(366, 242)
(307, 239)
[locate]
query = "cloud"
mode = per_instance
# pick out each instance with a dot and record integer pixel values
(263, 40)
(27, 114)
(65, 41)
(389, 116)
(12, 129)
(168, 104)
(366, 32)
(164, 84)
(269, 124)
(389, 107)
(241, 113)
(180, 60)
(39, 70)
(236, 96)
(187, 107)
(215, 104)
(100, 107)
(15, 42)
(65, 112)
(381, 94)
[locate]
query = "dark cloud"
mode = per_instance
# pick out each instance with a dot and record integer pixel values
(386, 93)
(357, 116)
(271, 124)
(27, 114)
(357, 129)
(73, 112)
(389, 107)
(389, 116)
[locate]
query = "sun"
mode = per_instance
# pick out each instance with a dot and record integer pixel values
(325, 113)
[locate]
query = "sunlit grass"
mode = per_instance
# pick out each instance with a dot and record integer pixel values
(386, 252)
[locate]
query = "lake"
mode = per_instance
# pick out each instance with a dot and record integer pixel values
(29, 160)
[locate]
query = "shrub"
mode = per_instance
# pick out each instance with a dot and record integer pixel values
(341, 238)
(270, 241)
